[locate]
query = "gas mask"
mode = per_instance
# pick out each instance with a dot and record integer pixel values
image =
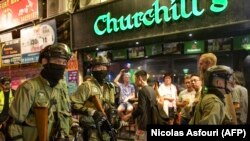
(53, 73)
(100, 75)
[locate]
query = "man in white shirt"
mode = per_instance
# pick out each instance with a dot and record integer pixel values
(185, 101)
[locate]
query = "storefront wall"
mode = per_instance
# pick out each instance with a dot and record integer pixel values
(200, 18)
(195, 16)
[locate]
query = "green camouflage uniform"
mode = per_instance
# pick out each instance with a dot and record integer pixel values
(81, 102)
(36, 92)
(209, 111)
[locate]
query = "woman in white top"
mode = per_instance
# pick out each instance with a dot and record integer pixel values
(169, 92)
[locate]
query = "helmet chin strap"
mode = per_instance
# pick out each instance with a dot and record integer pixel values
(226, 89)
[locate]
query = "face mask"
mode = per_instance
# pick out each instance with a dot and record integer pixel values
(53, 73)
(100, 75)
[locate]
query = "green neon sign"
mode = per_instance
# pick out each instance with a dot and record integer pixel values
(105, 24)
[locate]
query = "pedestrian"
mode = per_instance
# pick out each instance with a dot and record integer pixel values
(127, 91)
(185, 101)
(240, 98)
(168, 91)
(146, 99)
(206, 61)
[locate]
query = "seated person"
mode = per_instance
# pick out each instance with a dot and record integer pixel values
(127, 91)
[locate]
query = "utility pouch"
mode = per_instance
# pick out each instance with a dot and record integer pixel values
(15, 132)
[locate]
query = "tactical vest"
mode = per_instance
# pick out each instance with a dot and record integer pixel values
(41, 94)
(107, 95)
(2, 99)
(43, 98)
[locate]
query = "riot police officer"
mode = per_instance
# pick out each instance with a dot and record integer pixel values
(47, 92)
(211, 110)
(91, 99)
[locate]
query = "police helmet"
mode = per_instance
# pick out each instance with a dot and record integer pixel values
(59, 50)
(100, 60)
(220, 71)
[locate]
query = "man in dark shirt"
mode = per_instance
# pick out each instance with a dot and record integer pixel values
(143, 113)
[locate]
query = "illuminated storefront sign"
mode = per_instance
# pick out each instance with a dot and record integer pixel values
(106, 24)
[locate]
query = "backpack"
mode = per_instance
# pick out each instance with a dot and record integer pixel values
(158, 114)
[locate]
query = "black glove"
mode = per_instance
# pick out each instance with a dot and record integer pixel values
(110, 130)
(102, 124)
(98, 117)
(100, 121)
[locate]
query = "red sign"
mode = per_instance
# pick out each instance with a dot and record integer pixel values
(73, 62)
(17, 12)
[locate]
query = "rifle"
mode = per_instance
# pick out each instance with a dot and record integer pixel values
(110, 130)
(104, 123)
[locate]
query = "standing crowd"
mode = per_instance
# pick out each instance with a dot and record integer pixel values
(41, 108)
